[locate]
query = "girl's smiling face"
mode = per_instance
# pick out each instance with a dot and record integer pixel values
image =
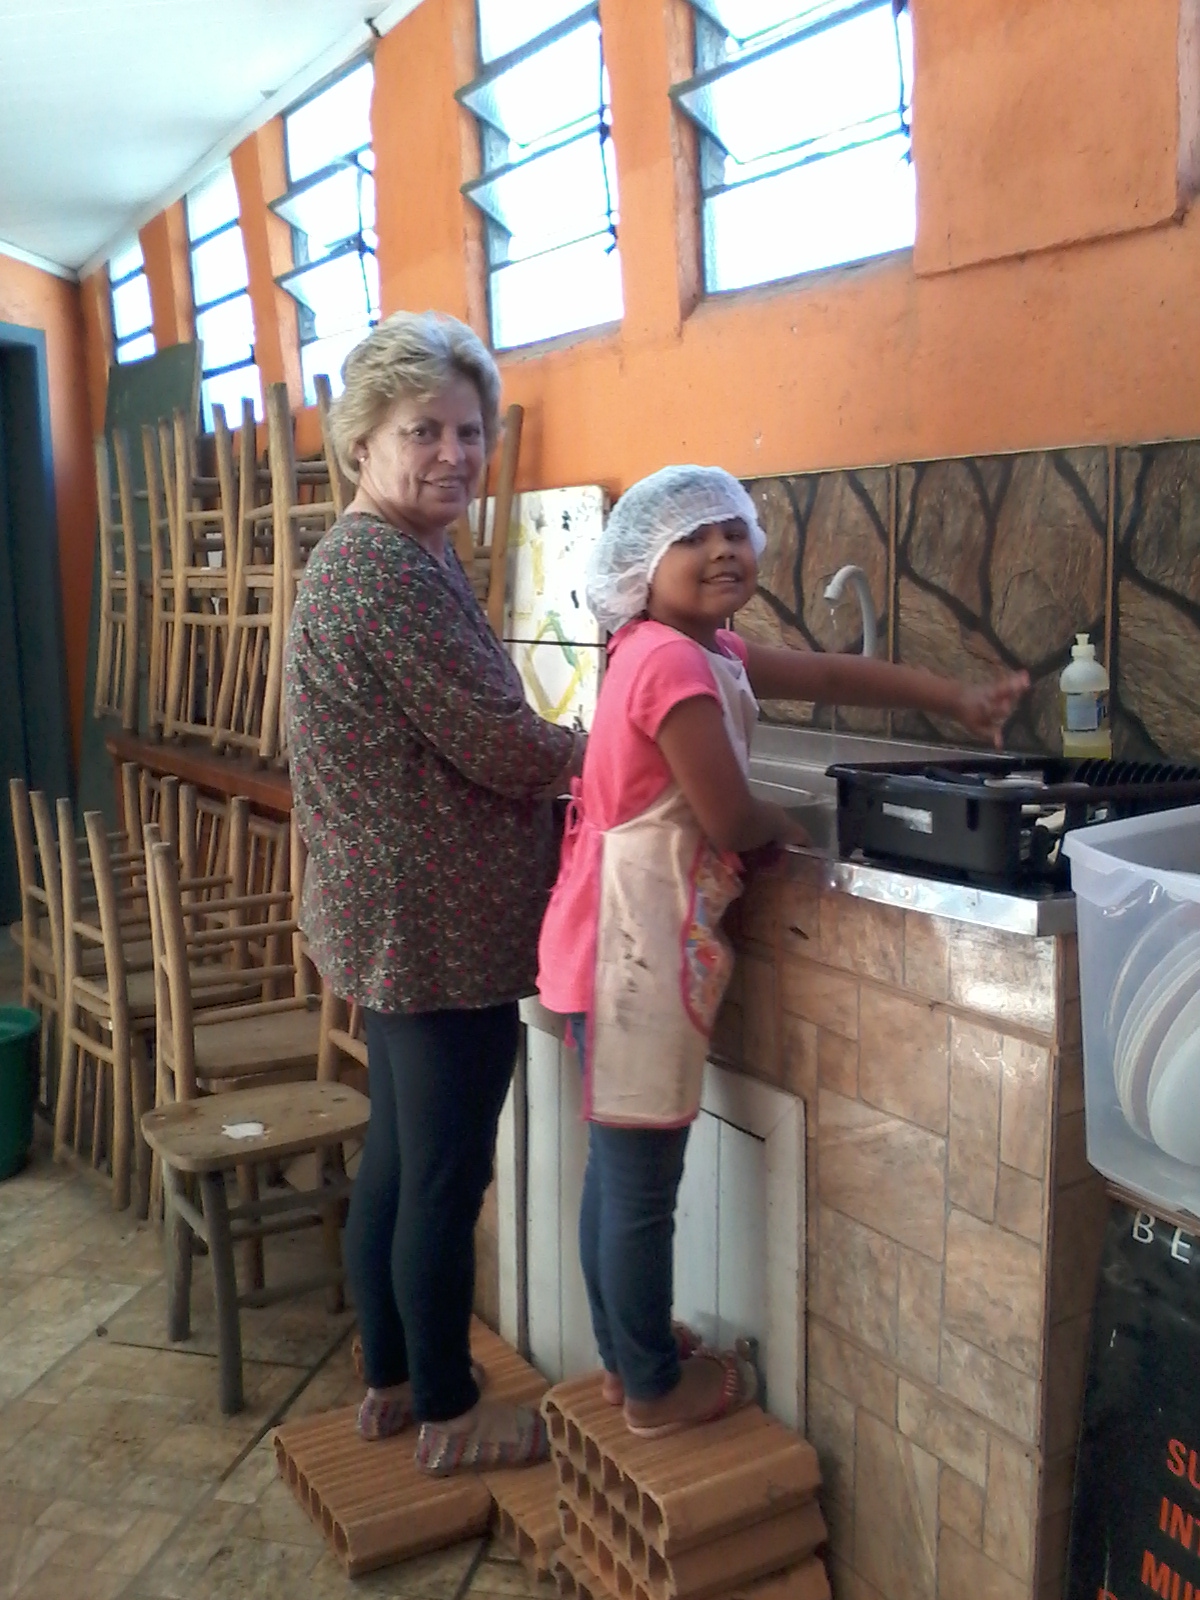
(703, 578)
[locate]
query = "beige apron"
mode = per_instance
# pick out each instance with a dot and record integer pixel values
(662, 962)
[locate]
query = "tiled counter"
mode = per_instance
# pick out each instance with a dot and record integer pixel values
(953, 1228)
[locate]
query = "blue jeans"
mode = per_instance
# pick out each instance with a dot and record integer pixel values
(626, 1235)
(438, 1081)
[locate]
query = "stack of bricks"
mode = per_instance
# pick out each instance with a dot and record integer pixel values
(716, 1513)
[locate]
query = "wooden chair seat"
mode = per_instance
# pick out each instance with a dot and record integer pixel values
(212, 986)
(294, 1117)
(246, 1047)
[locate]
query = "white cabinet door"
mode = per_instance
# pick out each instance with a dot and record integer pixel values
(739, 1234)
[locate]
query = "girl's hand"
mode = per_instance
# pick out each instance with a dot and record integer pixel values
(983, 710)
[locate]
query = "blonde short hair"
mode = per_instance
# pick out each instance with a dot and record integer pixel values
(410, 355)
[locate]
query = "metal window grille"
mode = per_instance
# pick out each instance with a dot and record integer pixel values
(224, 313)
(330, 205)
(548, 188)
(129, 288)
(804, 114)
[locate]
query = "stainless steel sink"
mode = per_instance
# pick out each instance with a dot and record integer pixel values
(788, 765)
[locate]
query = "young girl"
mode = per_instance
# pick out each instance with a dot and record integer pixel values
(631, 949)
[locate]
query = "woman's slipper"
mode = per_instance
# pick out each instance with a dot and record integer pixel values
(380, 1416)
(739, 1388)
(500, 1436)
(687, 1341)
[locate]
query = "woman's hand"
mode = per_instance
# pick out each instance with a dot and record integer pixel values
(984, 709)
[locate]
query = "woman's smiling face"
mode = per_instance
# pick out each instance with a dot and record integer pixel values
(703, 578)
(422, 464)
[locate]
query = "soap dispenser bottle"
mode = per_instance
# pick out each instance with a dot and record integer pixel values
(1083, 695)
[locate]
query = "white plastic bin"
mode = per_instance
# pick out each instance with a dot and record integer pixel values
(1137, 889)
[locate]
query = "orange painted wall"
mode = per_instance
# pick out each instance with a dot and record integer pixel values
(1050, 298)
(34, 299)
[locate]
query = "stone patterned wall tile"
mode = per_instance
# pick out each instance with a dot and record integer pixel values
(896, 1513)
(728, 1030)
(839, 1520)
(884, 1172)
(1070, 1151)
(1000, 562)
(919, 1332)
(1004, 976)
(964, 1571)
(799, 1052)
(1157, 695)
(945, 1430)
(861, 937)
(990, 1387)
(1066, 1371)
(760, 909)
(994, 1291)
(975, 1067)
(927, 955)
(1021, 1205)
(837, 1063)
(1080, 1219)
(860, 1378)
(1054, 1536)
(848, 1584)
(827, 998)
(829, 1427)
(857, 1281)
(904, 1055)
(1011, 1508)
(1070, 1082)
(1025, 1106)
(760, 1030)
(960, 1506)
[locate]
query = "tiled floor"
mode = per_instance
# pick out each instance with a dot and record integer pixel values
(118, 1474)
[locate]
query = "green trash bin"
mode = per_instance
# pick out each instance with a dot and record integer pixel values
(18, 1085)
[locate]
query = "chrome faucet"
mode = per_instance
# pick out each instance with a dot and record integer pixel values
(836, 587)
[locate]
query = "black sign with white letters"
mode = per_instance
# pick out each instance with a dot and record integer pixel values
(1135, 1523)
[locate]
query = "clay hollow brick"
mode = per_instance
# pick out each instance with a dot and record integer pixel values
(678, 1492)
(634, 1572)
(527, 1516)
(368, 1498)
(807, 1581)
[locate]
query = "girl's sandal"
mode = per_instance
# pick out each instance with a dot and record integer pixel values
(502, 1436)
(738, 1390)
(382, 1416)
(687, 1341)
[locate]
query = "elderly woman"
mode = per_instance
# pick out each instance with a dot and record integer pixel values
(420, 779)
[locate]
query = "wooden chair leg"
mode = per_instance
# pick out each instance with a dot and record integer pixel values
(252, 1249)
(177, 1239)
(122, 1128)
(229, 1333)
(331, 1239)
(142, 1087)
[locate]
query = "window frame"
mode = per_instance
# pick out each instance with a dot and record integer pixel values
(492, 136)
(199, 307)
(123, 341)
(302, 262)
(712, 153)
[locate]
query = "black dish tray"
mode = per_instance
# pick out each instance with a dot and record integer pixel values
(995, 819)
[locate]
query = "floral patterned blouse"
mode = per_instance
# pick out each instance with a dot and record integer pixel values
(414, 761)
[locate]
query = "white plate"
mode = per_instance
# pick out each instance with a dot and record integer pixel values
(1186, 1023)
(1147, 953)
(1175, 1107)
(1151, 1012)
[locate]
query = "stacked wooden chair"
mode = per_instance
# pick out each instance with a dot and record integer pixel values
(38, 932)
(241, 1095)
(482, 543)
(117, 654)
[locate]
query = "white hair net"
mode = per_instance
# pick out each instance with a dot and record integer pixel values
(647, 520)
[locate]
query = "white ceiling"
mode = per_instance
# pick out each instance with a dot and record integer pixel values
(109, 109)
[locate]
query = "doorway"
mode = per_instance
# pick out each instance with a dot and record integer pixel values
(34, 727)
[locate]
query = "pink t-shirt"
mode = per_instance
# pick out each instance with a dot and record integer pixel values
(651, 668)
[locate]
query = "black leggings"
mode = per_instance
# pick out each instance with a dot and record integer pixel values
(438, 1080)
